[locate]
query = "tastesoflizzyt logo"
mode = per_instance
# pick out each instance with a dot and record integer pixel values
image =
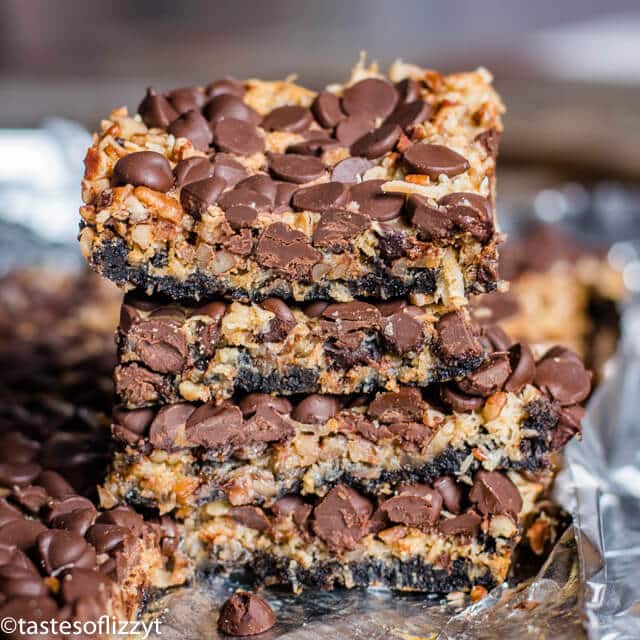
(104, 626)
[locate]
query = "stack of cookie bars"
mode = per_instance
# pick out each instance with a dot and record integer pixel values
(300, 383)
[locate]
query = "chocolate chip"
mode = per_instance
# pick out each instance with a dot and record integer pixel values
(32, 610)
(490, 140)
(351, 129)
(21, 533)
(77, 583)
(245, 614)
(288, 118)
(282, 324)
(61, 550)
(144, 168)
(351, 316)
(30, 498)
(493, 492)
(350, 170)
(253, 401)
(18, 582)
(412, 433)
(498, 339)
(17, 447)
(226, 86)
(241, 216)
(568, 425)
(435, 160)
(287, 251)
(160, 345)
(408, 90)
(458, 400)
(314, 146)
(227, 105)
(472, 213)
(267, 425)
(374, 202)
(495, 306)
(295, 168)
(450, 492)
(192, 169)
(342, 518)
(337, 228)
(106, 538)
(378, 142)
(410, 113)
(404, 405)
(56, 486)
(372, 96)
(315, 309)
(393, 306)
(262, 184)
(414, 509)
(466, 523)
(455, 339)
(197, 197)
(561, 374)
(156, 111)
(316, 409)
(194, 127)
(326, 109)
(251, 517)
(8, 512)
(225, 166)
(124, 517)
(292, 507)
(523, 367)
(402, 333)
(18, 473)
(238, 136)
(320, 197)
(489, 377)
(166, 426)
(244, 197)
(186, 99)
(214, 426)
(78, 520)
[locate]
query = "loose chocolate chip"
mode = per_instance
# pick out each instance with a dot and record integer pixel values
(350, 170)
(337, 228)
(561, 374)
(241, 216)
(569, 424)
(408, 90)
(197, 197)
(433, 222)
(227, 105)
(490, 140)
(18, 473)
(320, 197)
(472, 213)
(78, 521)
(186, 99)
(238, 136)
(351, 129)
(448, 488)
(192, 169)
(214, 426)
(225, 166)
(295, 168)
(410, 113)
(351, 316)
(263, 184)
(137, 420)
(18, 582)
(315, 146)
(21, 533)
(284, 194)
(375, 203)
(8, 512)
(156, 111)
(287, 251)
(167, 424)
(226, 86)
(60, 550)
(287, 118)
(62, 506)
(144, 168)
(378, 142)
(466, 523)
(316, 409)
(280, 309)
(495, 306)
(193, 126)
(245, 614)
(244, 197)
(55, 484)
(78, 582)
(402, 333)
(458, 400)
(523, 367)
(493, 492)
(160, 345)
(372, 96)
(251, 517)
(32, 610)
(342, 518)
(498, 339)
(107, 537)
(404, 405)
(326, 109)
(292, 507)
(435, 160)
(252, 402)
(488, 378)
(124, 517)
(17, 447)
(414, 510)
(30, 497)
(455, 339)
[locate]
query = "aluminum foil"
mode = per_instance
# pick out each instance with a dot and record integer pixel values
(589, 586)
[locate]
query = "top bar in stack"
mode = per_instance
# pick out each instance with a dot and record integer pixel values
(248, 190)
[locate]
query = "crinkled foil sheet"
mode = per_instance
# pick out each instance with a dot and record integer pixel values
(589, 586)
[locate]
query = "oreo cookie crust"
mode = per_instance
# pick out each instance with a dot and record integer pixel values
(256, 189)
(170, 353)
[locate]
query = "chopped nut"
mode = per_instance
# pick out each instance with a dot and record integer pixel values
(494, 405)
(478, 592)
(417, 178)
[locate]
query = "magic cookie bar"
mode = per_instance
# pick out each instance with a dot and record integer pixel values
(511, 413)
(447, 537)
(250, 190)
(170, 353)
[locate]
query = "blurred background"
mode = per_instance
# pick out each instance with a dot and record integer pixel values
(569, 73)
